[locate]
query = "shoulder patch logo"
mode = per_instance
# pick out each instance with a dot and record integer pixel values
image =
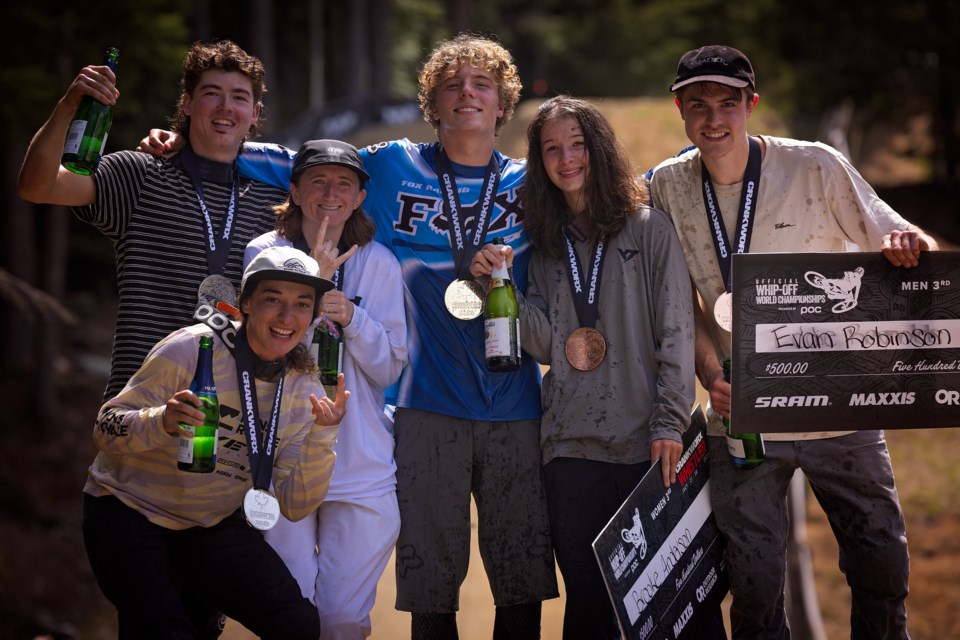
(627, 254)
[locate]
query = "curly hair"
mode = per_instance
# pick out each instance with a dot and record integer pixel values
(223, 56)
(480, 52)
(611, 191)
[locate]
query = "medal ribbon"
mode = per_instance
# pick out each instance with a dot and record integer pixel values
(217, 251)
(259, 451)
(587, 303)
(744, 228)
(463, 254)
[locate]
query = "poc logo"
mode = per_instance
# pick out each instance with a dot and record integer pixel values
(879, 399)
(773, 402)
(947, 396)
(809, 310)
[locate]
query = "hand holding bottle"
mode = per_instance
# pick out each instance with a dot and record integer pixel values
(336, 306)
(96, 81)
(720, 394)
(489, 257)
(183, 407)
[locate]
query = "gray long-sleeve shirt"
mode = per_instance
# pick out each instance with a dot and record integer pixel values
(644, 388)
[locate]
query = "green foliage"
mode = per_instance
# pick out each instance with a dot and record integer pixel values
(47, 42)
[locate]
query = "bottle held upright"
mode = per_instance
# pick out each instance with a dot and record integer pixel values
(198, 444)
(501, 320)
(87, 136)
(746, 449)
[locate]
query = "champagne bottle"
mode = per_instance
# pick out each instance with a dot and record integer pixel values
(327, 349)
(87, 136)
(501, 321)
(746, 449)
(198, 444)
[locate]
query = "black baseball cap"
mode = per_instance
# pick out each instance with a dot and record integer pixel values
(318, 152)
(715, 63)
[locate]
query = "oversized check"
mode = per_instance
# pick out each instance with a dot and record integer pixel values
(838, 341)
(661, 555)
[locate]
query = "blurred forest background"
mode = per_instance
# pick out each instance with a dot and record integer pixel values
(879, 80)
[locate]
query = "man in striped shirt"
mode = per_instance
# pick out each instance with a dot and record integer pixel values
(172, 222)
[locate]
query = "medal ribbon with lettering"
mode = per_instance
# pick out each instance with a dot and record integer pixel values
(261, 509)
(218, 244)
(464, 296)
(744, 229)
(586, 346)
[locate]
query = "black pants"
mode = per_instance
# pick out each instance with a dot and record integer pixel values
(158, 578)
(582, 496)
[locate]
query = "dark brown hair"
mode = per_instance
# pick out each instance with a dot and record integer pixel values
(223, 56)
(611, 191)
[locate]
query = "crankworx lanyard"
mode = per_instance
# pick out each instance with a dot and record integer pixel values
(744, 228)
(586, 302)
(218, 243)
(462, 254)
(260, 451)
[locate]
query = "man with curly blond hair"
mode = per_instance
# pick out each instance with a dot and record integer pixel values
(460, 429)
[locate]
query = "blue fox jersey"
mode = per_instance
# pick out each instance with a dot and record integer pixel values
(447, 372)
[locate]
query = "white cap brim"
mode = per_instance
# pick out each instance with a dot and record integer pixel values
(727, 80)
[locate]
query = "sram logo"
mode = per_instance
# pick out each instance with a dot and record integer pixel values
(871, 399)
(765, 402)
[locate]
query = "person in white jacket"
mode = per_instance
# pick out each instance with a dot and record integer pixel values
(338, 555)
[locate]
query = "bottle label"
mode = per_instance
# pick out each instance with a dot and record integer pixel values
(502, 337)
(75, 136)
(185, 454)
(736, 449)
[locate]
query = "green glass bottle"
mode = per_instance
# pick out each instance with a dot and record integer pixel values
(327, 349)
(198, 444)
(87, 137)
(501, 321)
(746, 449)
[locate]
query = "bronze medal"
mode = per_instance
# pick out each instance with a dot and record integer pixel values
(464, 299)
(585, 349)
(261, 509)
(723, 311)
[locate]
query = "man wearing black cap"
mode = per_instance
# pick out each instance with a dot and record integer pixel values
(801, 196)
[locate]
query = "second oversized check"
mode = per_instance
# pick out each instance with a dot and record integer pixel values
(845, 341)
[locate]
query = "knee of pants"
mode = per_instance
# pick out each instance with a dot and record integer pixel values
(343, 630)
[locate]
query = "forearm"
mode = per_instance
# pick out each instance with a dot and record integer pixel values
(303, 471)
(706, 360)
